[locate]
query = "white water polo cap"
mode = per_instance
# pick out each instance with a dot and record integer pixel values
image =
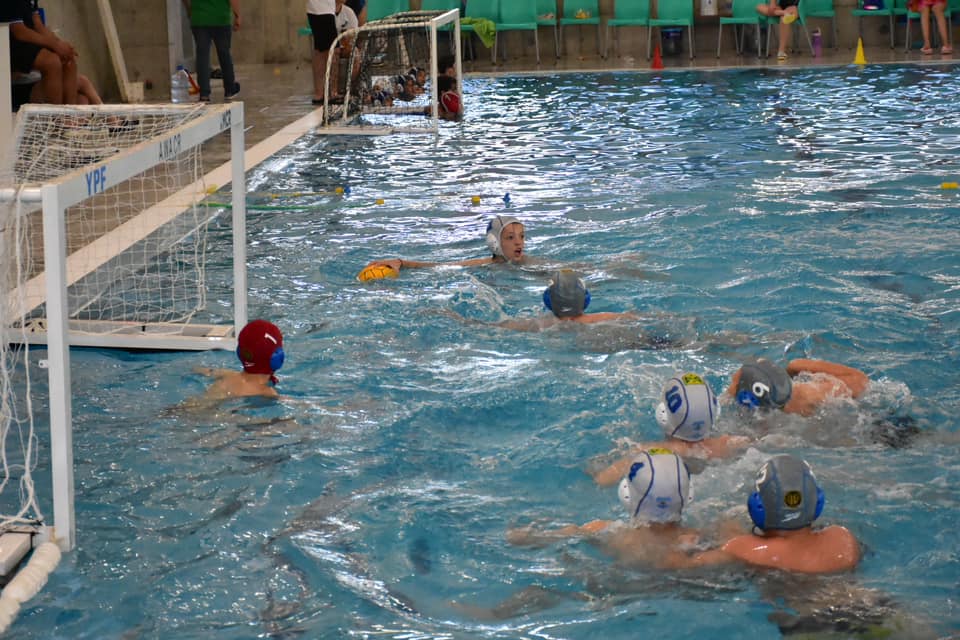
(657, 487)
(763, 384)
(787, 495)
(688, 408)
(495, 229)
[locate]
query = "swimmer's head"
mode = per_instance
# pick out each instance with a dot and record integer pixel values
(567, 295)
(505, 238)
(657, 487)
(260, 347)
(688, 408)
(787, 495)
(763, 384)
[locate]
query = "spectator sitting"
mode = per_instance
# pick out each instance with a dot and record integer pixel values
(33, 47)
(28, 88)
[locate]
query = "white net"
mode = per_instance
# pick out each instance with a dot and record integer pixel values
(386, 75)
(154, 279)
(135, 256)
(19, 509)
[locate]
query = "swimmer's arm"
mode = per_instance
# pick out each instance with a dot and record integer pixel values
(683, 560)
(531, 537)
(855, 379)
(612, 474)
(605, 316)
(523, 324)
(212, 372)
(473, 262)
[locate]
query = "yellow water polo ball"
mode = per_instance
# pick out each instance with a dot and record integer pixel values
(475, 199)
(377, 272)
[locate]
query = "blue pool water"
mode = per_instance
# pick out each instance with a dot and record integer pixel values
(742, 213)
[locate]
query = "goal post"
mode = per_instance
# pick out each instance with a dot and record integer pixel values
(103, 238)
(388, 82)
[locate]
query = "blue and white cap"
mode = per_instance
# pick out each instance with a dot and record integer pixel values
(688, 408)
(494, 229)
(787, 495)
(657, 487)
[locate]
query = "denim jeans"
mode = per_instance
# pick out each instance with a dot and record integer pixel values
(220, 36)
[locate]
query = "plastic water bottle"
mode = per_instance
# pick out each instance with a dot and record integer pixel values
(180, 85)
(817, 46)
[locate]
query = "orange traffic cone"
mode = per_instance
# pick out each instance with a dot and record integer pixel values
(657, 60)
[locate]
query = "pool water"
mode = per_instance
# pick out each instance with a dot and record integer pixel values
(777, 213)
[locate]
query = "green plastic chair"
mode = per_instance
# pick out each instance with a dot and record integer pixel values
(439, 5)
(379, 9)
(627, 13)
(674, 13)
(482, 9)
(517, 15)
(862, 12)
(817, 9)
(547, 17)
(744, 14)
(590, 9)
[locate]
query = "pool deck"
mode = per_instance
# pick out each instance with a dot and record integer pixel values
(277, 97)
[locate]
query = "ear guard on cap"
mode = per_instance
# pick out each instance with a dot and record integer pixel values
(549, 304)
(785, 485)
(763, 384)
(758, 513)
(276, 358)
(688, 408)
(495, 229)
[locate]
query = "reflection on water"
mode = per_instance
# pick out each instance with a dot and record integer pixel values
(745, 213)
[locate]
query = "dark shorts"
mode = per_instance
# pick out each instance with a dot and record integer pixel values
(23, 55)
(784, 4)
(20, 93)
(324, 29)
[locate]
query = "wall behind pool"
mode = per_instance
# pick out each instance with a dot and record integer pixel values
(269, 36)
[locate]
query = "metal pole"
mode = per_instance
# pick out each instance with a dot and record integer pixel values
(238, 177)
(58, 356)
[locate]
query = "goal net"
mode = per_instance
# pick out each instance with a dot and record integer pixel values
(104, 241)
(136, 227)
(386, 74)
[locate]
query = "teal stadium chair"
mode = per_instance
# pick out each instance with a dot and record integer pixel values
(627, 13)
(871, 9)
(952, 5)
(589, 9)
(674, 13)
(817, 9)
(482, 10)
(743, 15)
(517, 15)
(547, 17)
(439, 5)
(379, 9)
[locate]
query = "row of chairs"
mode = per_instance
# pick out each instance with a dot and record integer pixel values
(529, 15)
(508, 15)
(894, 9)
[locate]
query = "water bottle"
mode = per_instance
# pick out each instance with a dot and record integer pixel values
(817, 46)
(180, 85)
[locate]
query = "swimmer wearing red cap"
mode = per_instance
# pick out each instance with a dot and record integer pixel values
(260, 349)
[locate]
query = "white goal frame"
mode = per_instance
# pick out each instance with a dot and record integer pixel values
(60, 270)
(335, 120)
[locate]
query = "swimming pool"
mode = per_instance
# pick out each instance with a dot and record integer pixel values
(756, 212)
